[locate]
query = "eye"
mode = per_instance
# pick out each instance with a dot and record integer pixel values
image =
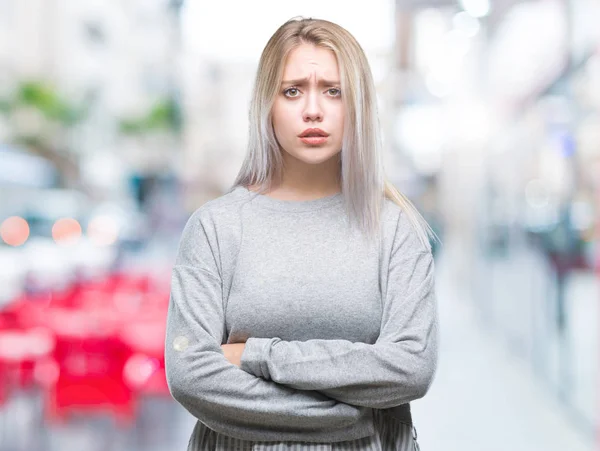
(291, 92)
(334, 92)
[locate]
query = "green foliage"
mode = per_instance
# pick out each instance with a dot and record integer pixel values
(164, 115)
(44, 98)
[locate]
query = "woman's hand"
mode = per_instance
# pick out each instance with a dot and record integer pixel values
(233, 352)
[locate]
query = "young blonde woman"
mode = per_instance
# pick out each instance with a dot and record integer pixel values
(302, 312)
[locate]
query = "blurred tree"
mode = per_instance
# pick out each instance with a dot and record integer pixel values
(44, 98)
(162, 120)
(163, 116)
(41, 120)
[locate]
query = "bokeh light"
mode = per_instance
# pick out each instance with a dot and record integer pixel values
(66, 231)
(14, 231)
(103, 230)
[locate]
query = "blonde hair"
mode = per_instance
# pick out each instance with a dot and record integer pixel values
(362, 174)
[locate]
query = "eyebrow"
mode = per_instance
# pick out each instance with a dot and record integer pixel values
(303, 81)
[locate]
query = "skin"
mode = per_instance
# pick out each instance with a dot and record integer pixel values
(310, 171)
(233, 352)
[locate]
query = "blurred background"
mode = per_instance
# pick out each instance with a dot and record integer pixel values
(118, 118)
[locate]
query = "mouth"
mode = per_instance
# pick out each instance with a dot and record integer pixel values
(313, 136)
(313, 132)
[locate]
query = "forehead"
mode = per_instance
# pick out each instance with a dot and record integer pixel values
(306, 59)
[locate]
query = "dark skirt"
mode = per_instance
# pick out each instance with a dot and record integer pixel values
(390, 435)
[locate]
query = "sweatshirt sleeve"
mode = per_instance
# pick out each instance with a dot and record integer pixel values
(202, 380)
(398, 368)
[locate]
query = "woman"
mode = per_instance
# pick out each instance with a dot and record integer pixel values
(302, 312)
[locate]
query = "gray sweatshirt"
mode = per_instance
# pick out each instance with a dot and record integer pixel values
(334, 326)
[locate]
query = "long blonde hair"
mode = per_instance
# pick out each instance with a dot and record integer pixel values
(362, 174)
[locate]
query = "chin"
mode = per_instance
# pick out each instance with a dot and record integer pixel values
(314, 155)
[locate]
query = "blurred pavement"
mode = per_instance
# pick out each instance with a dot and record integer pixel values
(484, 398)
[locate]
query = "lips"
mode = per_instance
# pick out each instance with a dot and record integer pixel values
(313, 133)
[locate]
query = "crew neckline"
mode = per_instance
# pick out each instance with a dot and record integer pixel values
(265, 201)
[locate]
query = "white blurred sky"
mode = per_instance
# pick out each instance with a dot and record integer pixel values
(239, 29)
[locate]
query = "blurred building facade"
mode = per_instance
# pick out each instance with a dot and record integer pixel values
(111, 66)
(499, 103)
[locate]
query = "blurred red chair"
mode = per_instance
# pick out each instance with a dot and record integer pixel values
(139, 282)
(144, 371)
(90, 359)
(24, 341)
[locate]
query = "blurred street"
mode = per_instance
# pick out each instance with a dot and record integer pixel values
(484, 396)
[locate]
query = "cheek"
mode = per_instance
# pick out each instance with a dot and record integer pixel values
(339, 125)
(339, 118)
(281, 120)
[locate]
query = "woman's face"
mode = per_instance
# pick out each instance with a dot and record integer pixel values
(310, 98)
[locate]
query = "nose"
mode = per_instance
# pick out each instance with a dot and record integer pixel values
(312, 108)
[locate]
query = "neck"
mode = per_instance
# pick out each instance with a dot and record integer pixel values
(309, 180)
